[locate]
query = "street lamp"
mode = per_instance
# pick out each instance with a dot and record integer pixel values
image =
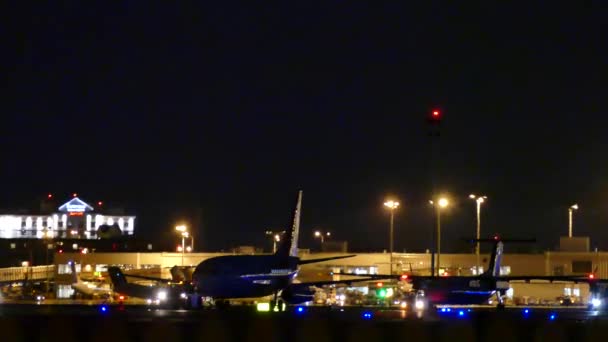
(441, 203)
(479, 200)
(184, 230)
(391, 205)
(276, 237)
(570, 210)
(319, 234)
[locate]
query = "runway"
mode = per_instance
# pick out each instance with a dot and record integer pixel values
(297, 323)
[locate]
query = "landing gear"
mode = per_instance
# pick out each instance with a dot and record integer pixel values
(501, 303)
(277, 304)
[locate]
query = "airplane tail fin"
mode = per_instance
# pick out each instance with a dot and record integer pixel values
(496, 257)
(73, 269)
(289, 245)
(495, 260)
(118, 278)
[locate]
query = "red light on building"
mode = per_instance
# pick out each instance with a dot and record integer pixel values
(591, 276)
(60, 251)
(436, 113)
(74, 194)
(49, 196)
(404, 277)
(100, 203)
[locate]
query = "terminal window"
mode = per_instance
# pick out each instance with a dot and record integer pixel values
(581, 266)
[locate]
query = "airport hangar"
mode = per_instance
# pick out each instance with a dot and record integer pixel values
(157, 264)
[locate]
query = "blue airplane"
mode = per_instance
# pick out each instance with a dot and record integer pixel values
(254, 276)
(478, 289)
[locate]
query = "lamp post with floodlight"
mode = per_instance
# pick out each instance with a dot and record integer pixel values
(391, 205)
(570, 210)
(441, 203)
(479, 200)
(184, 231)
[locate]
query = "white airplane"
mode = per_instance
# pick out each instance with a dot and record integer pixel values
(86, 288)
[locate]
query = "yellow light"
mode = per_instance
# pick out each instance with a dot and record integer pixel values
(264, 307)
(181, 228)
(391, 204)
(277, 237)
(574, 206)
(317, 233)
(443, 202)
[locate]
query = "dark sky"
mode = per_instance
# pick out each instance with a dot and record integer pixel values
(224, 110)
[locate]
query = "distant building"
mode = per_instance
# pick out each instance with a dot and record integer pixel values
(74, 219)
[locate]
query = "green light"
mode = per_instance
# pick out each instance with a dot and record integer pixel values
(381, 293)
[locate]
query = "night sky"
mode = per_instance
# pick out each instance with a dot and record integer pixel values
(217, 114)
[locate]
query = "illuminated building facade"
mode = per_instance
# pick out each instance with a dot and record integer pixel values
(74, 219)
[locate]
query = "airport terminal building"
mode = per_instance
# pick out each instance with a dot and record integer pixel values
(74, 219)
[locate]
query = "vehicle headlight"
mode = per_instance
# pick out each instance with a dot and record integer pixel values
(596, 302)
(161, 295)
(419, 304)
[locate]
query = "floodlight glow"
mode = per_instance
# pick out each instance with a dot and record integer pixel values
(596, 302)
(161, 295)
(419, 304)
(264, 307)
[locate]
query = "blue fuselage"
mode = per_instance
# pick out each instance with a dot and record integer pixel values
(244, 276)
(458, 290)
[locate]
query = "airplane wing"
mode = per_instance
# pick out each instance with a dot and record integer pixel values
(162, 280)
(333, 282)
(312, 261)
(574, 279)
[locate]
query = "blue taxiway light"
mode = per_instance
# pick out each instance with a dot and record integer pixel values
(300, 309)
(526, 311)
(367, 315)
(460, 313)
(552, 317)
(443, 310)
(104, 308)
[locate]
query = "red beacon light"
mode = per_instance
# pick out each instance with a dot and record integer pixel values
(404, 277)
(49, 196)
(436, 113)
(379, 284)
(591, 276)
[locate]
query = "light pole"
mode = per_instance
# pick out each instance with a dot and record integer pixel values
(319, 234)
(441, 203)
(182, 228)
(479, 200)
(276, 237)
(391, 205)
(570, 210)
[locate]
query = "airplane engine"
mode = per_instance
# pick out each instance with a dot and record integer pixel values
(297, 295)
